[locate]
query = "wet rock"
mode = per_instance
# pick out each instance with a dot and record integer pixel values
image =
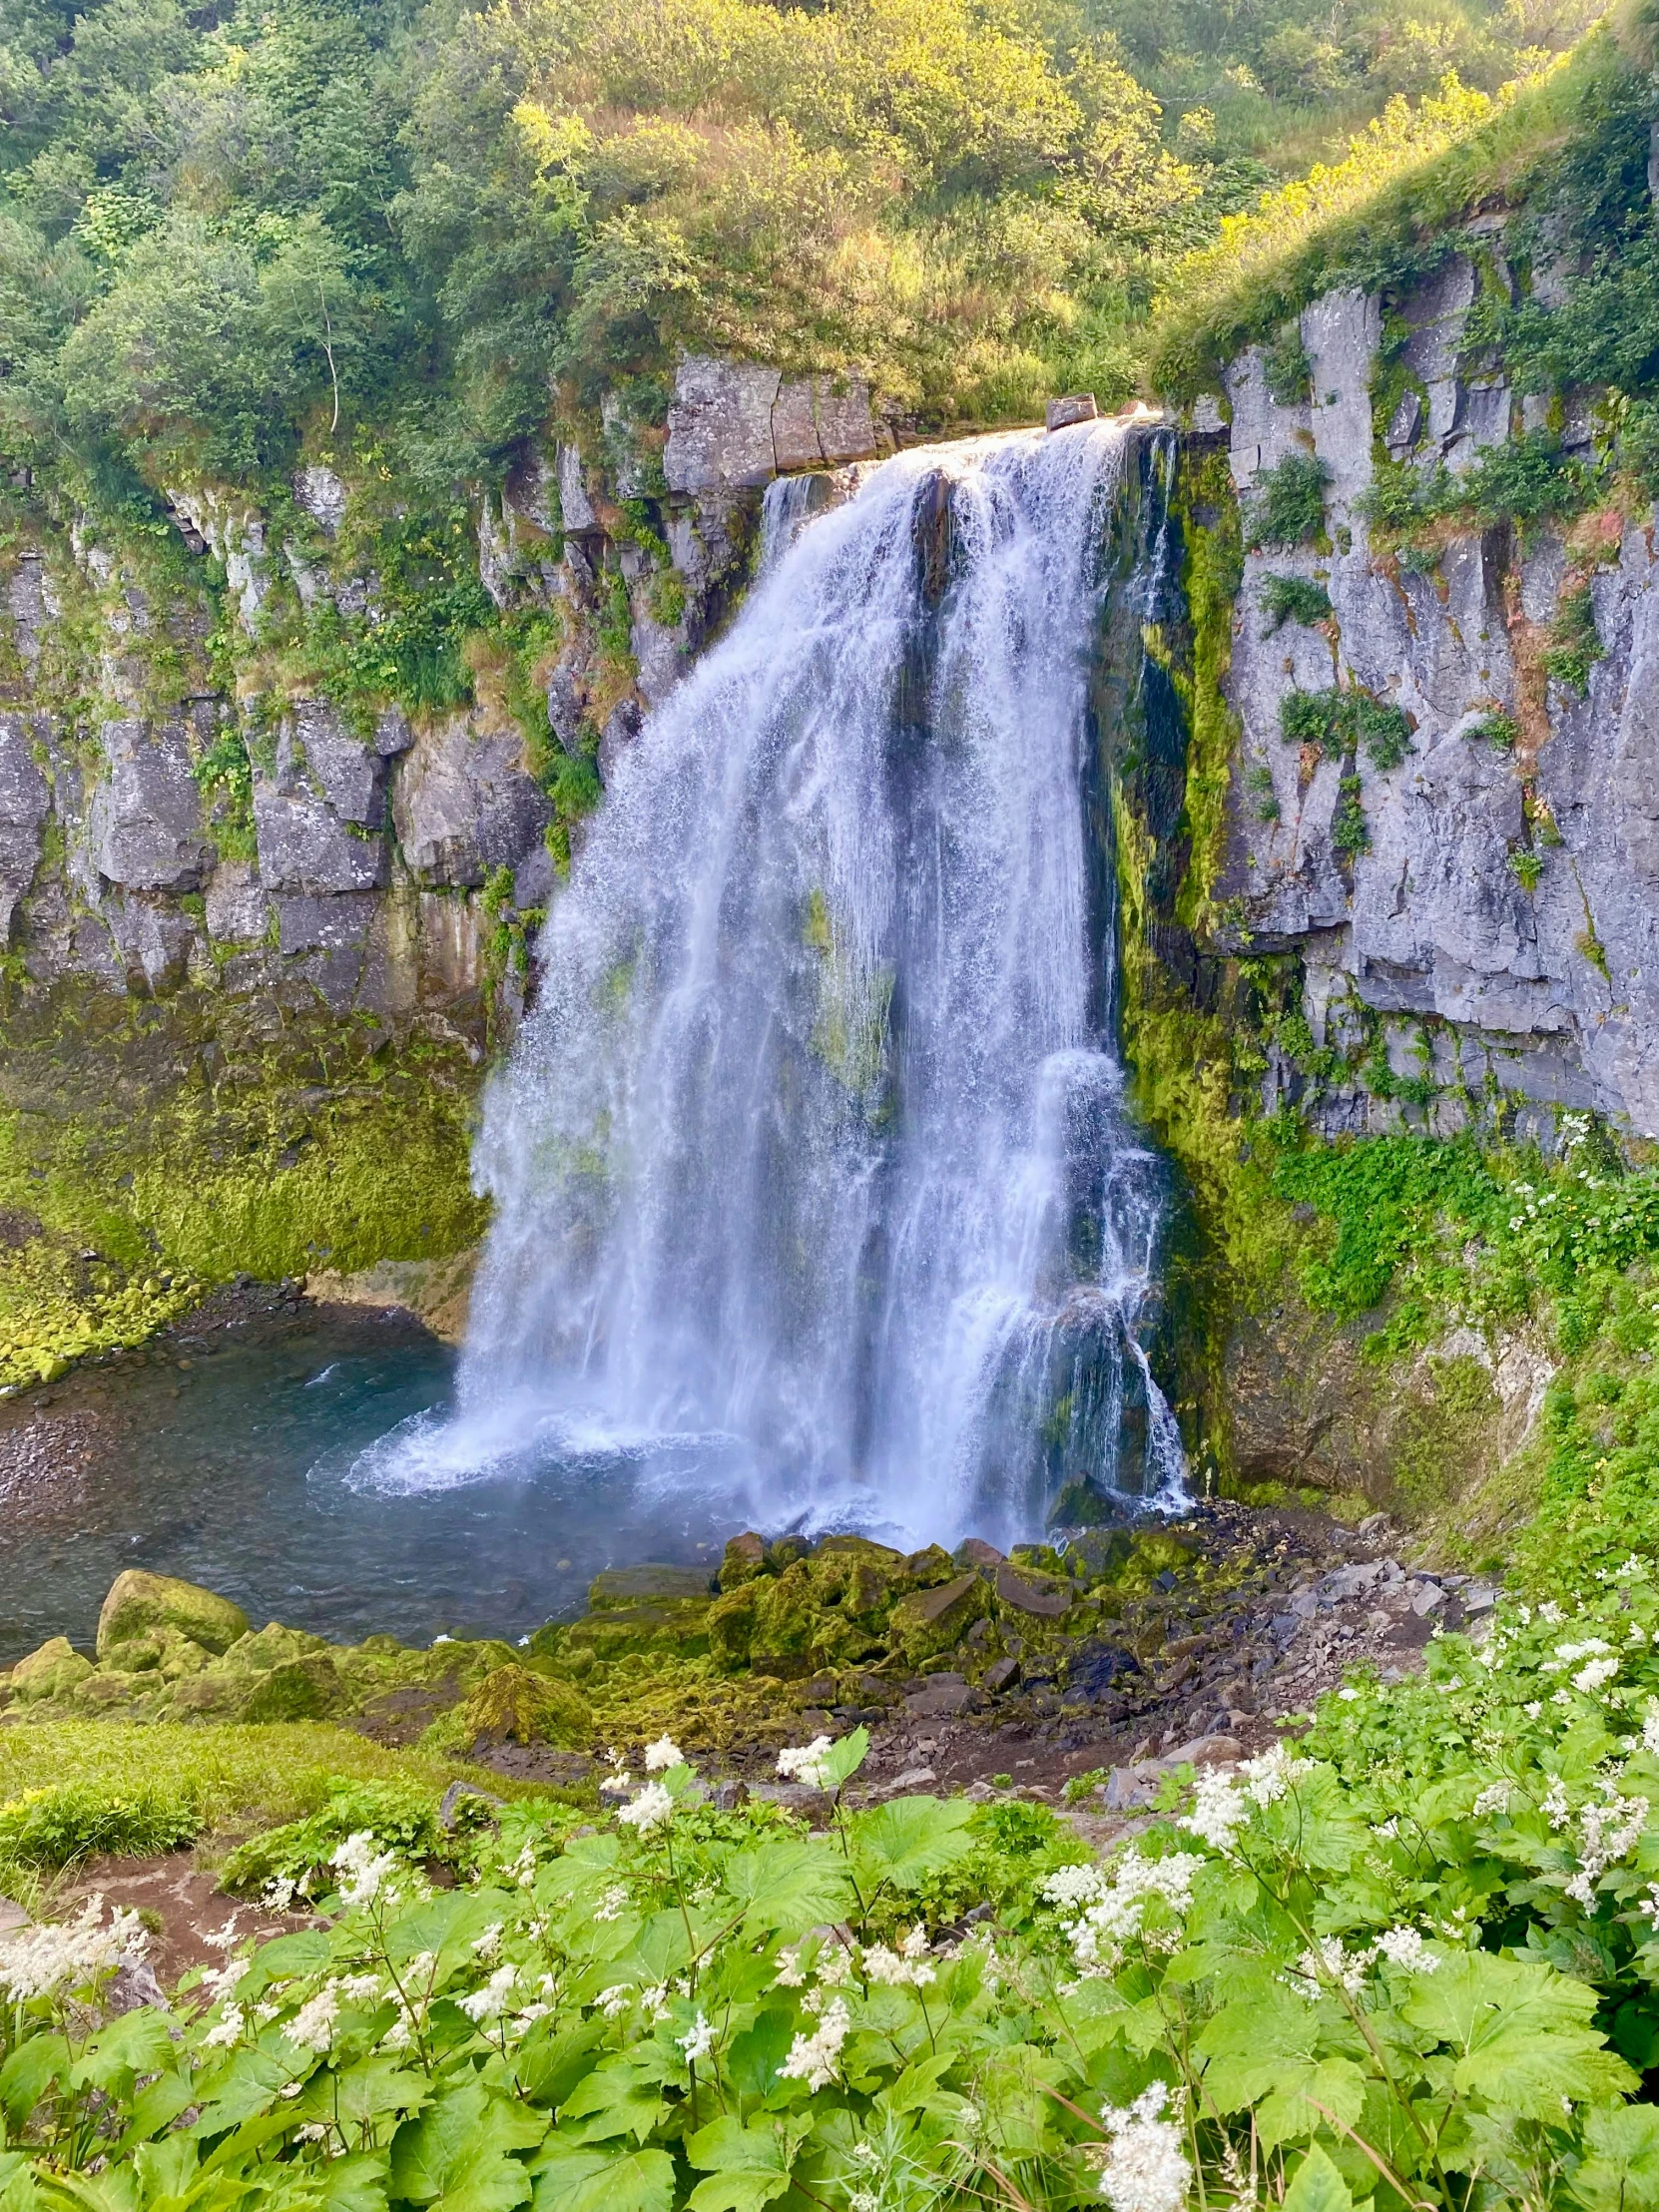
(1023, 1592)
(1076, 407)
(303, 1689)
(720, 426)
(25, 803)
(140, 1603)
(52, 1671)
(514, 1705)
(660, 1584)
(974, 1552)
(465, 803)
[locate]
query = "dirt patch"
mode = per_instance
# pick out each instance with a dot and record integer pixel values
(183, 1905)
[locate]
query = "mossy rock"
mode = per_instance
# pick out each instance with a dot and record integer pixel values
(163, 1651)
(745, 1557)
(140, 1603)
(102, 1692)
(862, 1580)
(516, 1706)
(1102, 1552)
(52, 1671)
(934, 1620)
(272, 1646)
(786, 1613)
(1155, 1552)
(303, 1689)
(649, 1585)
(930, 1566)
(730, 1623)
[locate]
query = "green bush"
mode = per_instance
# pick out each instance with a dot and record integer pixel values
(1287, 507)
(1292, 599)
(1287, 371)
(1348, 835)
(1575, 643)
(1339, 721)
(61, 1825)
(396, 1818)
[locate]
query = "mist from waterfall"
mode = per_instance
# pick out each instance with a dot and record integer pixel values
(811, 1173)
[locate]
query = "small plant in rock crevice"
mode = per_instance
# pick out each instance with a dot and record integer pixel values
(1287, 507)
(1292, 599)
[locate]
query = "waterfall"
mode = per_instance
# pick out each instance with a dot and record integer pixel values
(812, 1158)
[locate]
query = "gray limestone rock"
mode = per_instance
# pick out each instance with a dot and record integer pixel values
(236, 912)
(25, 803)
(144, 825)
(720, 426)
(464, 805)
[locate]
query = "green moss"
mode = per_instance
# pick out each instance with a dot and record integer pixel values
(525, 1708)
(1208, 511)
(142, 1180)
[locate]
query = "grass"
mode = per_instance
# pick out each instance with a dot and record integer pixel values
(211, 1780)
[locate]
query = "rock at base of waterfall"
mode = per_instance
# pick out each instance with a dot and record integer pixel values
(1025, 1593)
(1075, 407)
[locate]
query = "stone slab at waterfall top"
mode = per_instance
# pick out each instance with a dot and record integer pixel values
(735, 425)
(1539, 976)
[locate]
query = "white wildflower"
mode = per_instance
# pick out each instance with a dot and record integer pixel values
(1388, 1830)
(815, 2058)
(1607, 1834)
(278, 1894)
(361, 1872)
(41, 1961)
(833, 1964)
(615, 2001)
(805, 1763)
(313, 2132)
(1595, 1676)
(1550, 1615)
(313, 2026)
(616, 1785)
(611, 1904)
(698, 2042)
(863, 2200)
(1494, 1799)
(1405, 1949)
(893, 1971)
(791, 1974)
(1144, 2168)
(486, 1946)
(654, 2002)
(1533, 1710)
(228, 2029)
(1554, 1807)
(1099, 1935)
(651, 1809)
(1347, 1693)
(1219, 1809)
(360, 1988)
(1650, 1726)
(1326, 1961)
(489, 2003)
(221, 1938)
(662, 1755)
(1074, 1885)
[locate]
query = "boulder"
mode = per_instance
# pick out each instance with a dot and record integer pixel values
(51, 1672)
(936, 1619)
(516, 1706)
(140, 1603)
(1024, 1592)
(1076, 407)
(822, 422)
(745, 1557)
(731, 1625)
(939, 1701)
(299, 1690)
(657, 1585)
(975, 1553)
(465, 805)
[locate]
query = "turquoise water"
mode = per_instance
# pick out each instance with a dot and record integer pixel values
(243, 1460)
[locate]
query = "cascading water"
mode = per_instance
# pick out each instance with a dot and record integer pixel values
(811, 1162)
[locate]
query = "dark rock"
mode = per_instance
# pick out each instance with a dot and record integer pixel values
(1098, 1666)
(144, 824)
(939, 1699)
(998, 1675)
(974, 1552)
(1026, 1594)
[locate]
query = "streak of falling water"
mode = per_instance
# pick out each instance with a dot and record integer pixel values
(809, 1148)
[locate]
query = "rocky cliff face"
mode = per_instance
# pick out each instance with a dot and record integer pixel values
(367, 864)
(1499, 934)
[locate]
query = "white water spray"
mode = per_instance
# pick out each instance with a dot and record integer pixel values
(814, 1142)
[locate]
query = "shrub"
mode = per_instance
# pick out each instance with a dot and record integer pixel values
(1292, 599)
(1339, 720)
(1348, 835)
(1498, 731)
(1286, 367)
(1575, 643)
(1526, 867)
(1289, 504)
(57, 1827)
(397, 1816)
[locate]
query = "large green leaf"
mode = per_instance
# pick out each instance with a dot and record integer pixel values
(1271, 2051)
(356, 2183)
(459, 2153)
(617, 2099)
(17, 2183)
(786, 1888)
(134, 2042)
(747, 2166)
(1317, 2187)
(29, 2074)
(550, 2063)
(1521, 2031)
(574, 2178)
(1621, 2174)
(905, 1841)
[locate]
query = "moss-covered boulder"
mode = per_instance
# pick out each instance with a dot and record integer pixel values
(786, 1631)
(303, 1689)
(934, 1620)
(862, 1579)
(51, 1672)
(140, 1603)
(730, 1623)
(516, 1706)
(745, 1558)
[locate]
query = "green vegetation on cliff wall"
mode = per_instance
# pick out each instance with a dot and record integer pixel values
(130, 1178)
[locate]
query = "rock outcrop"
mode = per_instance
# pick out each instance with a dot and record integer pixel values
(1500, 924)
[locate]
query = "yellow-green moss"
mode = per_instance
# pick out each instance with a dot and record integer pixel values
(1205, 504)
